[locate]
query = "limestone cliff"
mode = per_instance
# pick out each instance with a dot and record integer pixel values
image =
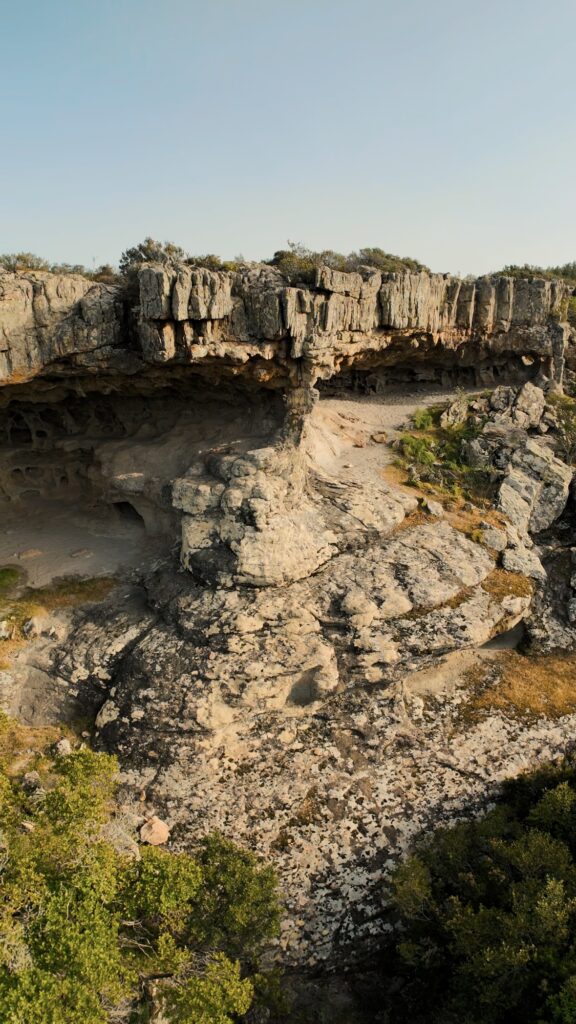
(252, 323)
(301, 686)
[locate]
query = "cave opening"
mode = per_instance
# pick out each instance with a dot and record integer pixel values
(382, 374)
(87, 465)
(127, 513)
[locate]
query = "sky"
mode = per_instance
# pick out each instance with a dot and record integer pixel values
(442, 130)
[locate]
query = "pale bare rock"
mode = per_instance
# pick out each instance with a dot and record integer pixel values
(196, 315)
(234, 424)
(154, 832)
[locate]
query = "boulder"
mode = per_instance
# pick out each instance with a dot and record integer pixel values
(535, 489)
(154, 831)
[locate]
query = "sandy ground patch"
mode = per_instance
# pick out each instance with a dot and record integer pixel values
(60, 540)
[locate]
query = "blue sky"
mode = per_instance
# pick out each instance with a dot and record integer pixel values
(442, 130)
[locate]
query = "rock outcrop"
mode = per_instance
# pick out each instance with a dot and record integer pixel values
(247, 515)
(300, 685)
(252, 322)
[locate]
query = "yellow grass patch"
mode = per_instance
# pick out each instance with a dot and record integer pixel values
(23, 747)
(17, 606)
(500, 584)
(525, 686)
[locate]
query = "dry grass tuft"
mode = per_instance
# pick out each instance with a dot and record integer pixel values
(417, 518)
(18, 606)
(468, 520)
(23, 747)
(500, 584)
(70, 591)
(532, 687)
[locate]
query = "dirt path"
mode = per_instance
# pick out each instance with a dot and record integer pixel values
(351, 434)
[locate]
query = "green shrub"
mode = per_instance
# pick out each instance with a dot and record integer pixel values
(439, 457)
(85, 931)
(418, 451)
(424, 419)
(23, 261)
(565, 272)
(149, 251)
(299, 264)
(487, 913)
(10, 577)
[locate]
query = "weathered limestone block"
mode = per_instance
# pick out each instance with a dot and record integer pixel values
(485, 305)
(413, 301)
(210, 295)
(336, 281)
(47, 318)
(181, 294)
(155, 291)
(535, 489)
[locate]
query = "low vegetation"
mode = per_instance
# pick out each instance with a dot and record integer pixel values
(501, 584)
(92, 935)
(20, 604)
(564, 272)
(17, 261)
(523, 686)
(487, 913)
(564, 407)
(437, 456)
(296, 262)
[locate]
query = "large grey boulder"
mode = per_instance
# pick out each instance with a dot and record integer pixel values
(522, 407)
(535, 489)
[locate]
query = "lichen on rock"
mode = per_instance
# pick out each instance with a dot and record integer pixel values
(285, 657)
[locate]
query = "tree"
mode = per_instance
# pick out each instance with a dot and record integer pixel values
(23, 261)
(150, 251)
(105, 273)
(487, 913)
(87, 934)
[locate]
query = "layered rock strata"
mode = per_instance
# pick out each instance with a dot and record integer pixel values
(252, 322)
(300, 686)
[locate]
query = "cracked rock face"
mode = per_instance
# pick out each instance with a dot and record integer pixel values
(295, 673)
(252, 322)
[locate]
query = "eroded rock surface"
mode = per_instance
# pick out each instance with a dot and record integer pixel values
(252, 322)
(284, 669)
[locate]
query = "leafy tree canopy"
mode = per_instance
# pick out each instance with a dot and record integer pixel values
(87, 934)
(487, 913)
(150, 251)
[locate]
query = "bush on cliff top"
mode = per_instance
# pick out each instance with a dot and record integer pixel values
(298, 263)
(86, 932)
(24, 261)
(565, 272)
(487, 912)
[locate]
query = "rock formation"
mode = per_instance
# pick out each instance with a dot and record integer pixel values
(252, 323)
(282, 687)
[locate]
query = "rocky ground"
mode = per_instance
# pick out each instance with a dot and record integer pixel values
(290, 642)
(317, 697)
